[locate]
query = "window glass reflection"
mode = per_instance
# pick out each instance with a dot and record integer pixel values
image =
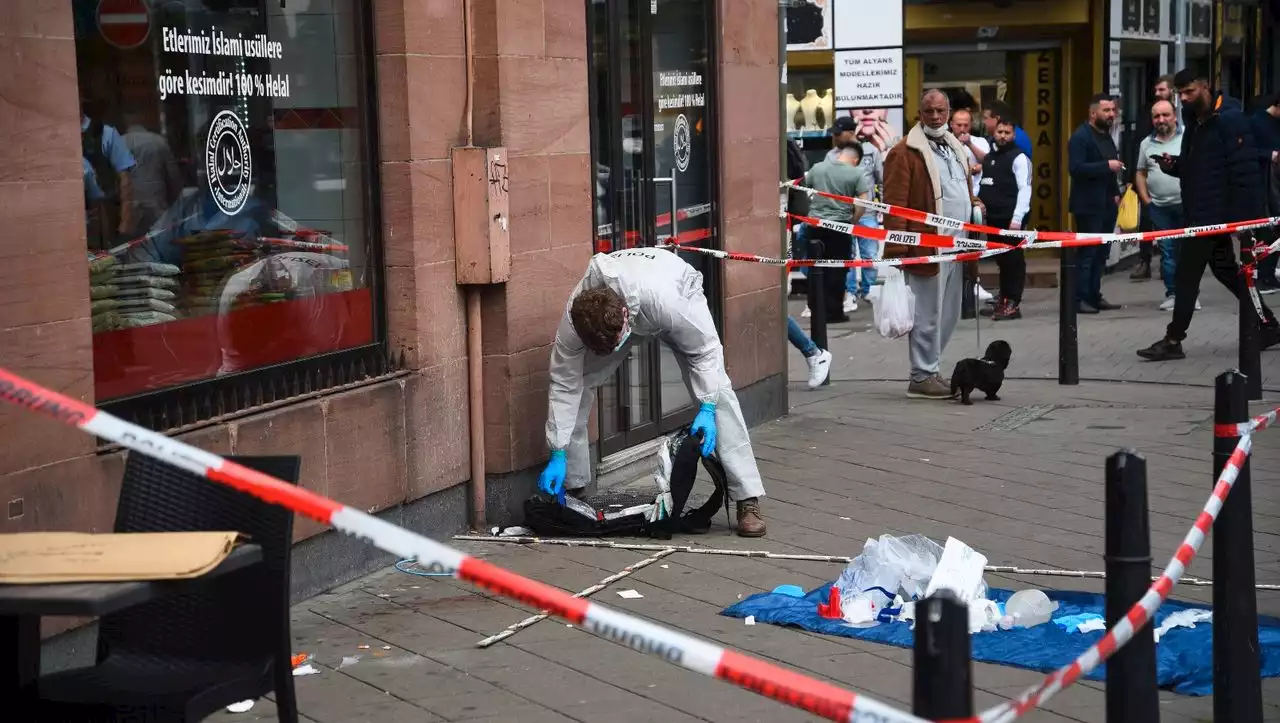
(225, 182)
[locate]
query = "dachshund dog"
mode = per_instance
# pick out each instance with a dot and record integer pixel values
(985, 374)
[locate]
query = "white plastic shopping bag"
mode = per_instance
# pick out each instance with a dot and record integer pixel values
(895, 308)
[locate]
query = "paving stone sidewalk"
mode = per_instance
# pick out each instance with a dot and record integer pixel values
(1019, 479)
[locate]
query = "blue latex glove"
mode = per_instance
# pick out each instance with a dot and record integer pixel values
(705, 422)
(551, 481)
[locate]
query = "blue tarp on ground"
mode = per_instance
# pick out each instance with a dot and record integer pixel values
(1184, 659)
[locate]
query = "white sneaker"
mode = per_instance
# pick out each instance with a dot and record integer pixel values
(850, 303)
(984, 295)
(1169, 301)
(819, 368)
(806, 313)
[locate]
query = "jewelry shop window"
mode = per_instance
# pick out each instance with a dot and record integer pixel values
(227, 174)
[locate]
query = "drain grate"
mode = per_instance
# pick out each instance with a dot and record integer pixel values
(1017, 418)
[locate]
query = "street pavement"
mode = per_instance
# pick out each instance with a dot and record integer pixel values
(1020, 480)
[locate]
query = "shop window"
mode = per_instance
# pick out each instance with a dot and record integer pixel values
(229, 188)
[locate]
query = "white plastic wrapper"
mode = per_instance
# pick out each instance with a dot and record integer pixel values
(887, 566)
(894, 309)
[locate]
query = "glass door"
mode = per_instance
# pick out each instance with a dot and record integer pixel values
(654, 148)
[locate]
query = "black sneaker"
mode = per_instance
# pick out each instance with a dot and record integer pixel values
(1085, 307)
(1163, 350)
(1141, 272)
(1104, 305)
(1268, 336)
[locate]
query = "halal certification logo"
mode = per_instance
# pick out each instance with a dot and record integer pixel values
(228, 163)
(683, 142)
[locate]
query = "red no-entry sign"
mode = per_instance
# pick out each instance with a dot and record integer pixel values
(124, 23)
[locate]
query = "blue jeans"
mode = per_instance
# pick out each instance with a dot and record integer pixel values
(800, 246)
(799, 339)
(1164, 218)
(1092, 260)
(864, 248)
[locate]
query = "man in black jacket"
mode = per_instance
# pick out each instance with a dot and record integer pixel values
(1220, 172)
(1006, 192)
(1094, 164)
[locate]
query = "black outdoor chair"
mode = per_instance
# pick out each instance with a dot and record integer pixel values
(184, 656)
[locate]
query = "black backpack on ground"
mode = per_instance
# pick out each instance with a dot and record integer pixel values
(626, 515)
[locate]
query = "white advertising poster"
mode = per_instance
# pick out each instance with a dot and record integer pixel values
(868, 78)
(809, 25)
(867, 24)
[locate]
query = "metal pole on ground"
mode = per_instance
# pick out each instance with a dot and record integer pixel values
(1237, 681)
(1132, 694)
(1068, 350)
(1250, 348)
(817, 296)
(943, 675)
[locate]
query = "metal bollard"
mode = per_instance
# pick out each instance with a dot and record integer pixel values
(1250, 348)
(1132, 693)
(817, 296)
(1068, 348)
(942, 685)
(1237, 681)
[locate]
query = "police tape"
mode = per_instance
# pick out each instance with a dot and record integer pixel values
(905, 238)
(1045, 239)
(1258, 423)
(962, 257)
(1142, 611)
(785, 686)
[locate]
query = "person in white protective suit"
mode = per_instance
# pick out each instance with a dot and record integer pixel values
(624, 297)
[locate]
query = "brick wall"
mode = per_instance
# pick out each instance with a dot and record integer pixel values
(754, 331)
(531, 97)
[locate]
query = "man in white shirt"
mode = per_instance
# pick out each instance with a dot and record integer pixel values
(1161, 194)
(978, 148)
(1006, 193)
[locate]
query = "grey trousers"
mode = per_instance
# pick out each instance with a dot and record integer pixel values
(937, 311)
(733, 445)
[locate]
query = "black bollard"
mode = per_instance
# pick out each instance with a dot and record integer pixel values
(1068, 349)
(1250, 348)
(1237, 681)
(1132, 693)
(942, 674)
(817, 296)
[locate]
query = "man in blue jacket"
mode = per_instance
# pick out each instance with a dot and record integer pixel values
(1094, 164)
(1220, 171)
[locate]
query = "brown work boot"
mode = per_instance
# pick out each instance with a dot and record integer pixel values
(750, 523)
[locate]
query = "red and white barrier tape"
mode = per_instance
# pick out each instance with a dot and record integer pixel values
(1258, 423)
(962, 256)
(757, 676)
(1041, 236)
(906, 238)
(1141, 613)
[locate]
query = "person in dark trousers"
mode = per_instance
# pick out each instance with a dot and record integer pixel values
(1220, 174)
(1266, 132)
(1005, 190)
(842, 176)
(1146, 128)
(1094, 164)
